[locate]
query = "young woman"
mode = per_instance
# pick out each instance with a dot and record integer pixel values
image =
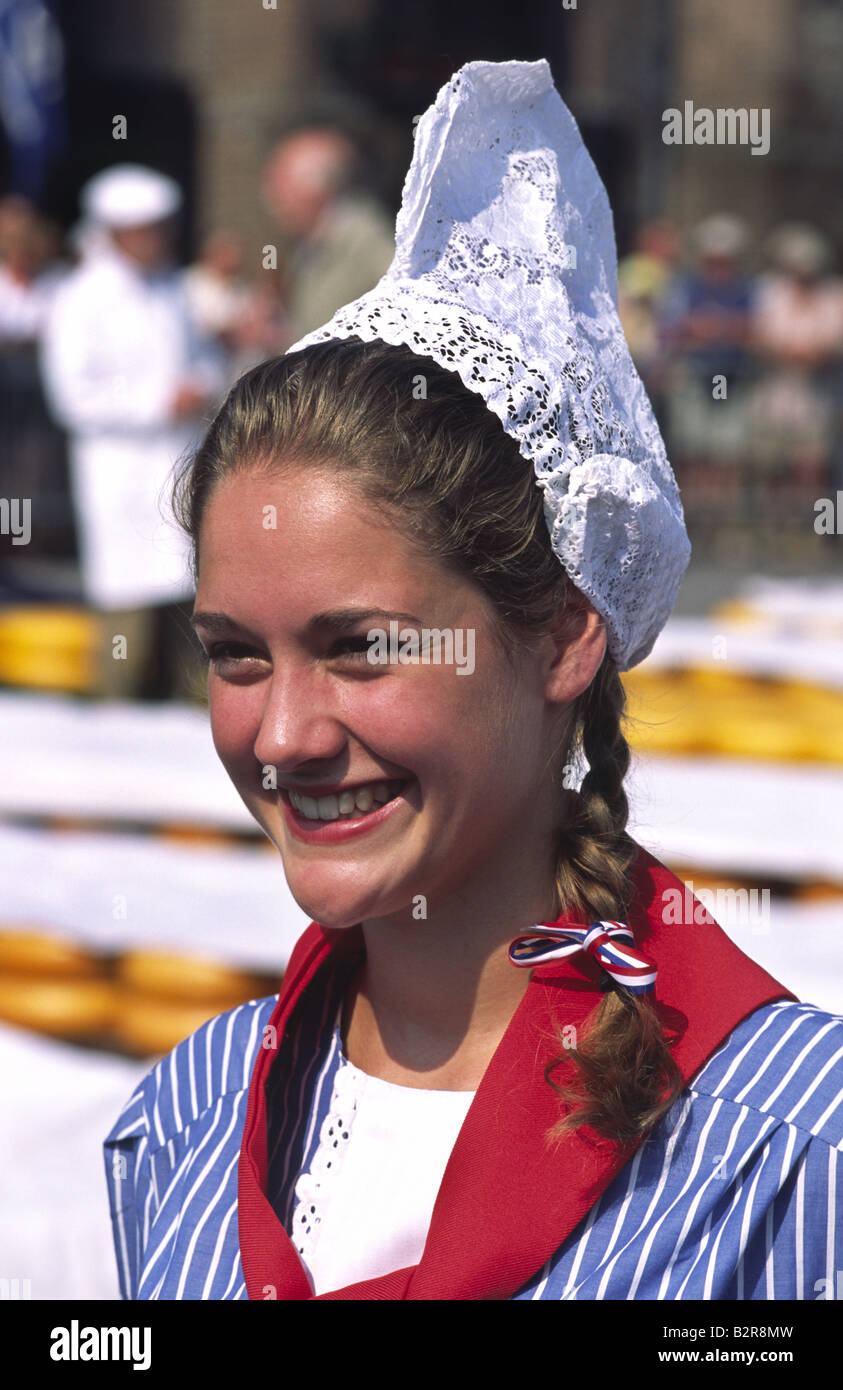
(497, 1068)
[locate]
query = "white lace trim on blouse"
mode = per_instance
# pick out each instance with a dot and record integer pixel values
(363, 1207)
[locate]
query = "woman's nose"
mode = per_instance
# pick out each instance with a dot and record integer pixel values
(299, 723)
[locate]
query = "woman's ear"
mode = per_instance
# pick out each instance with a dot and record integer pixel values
(578, 648)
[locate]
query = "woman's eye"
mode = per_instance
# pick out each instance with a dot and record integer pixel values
(229, 651)
(232, 654)
(354, 647)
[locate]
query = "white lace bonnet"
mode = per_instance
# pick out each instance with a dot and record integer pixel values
(505, 271)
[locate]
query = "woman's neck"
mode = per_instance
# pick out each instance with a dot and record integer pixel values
(433, 998)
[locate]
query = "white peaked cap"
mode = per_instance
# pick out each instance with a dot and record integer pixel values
(505, 271)
(129, 195)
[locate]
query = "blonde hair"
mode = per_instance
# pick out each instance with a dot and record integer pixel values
(467, 494)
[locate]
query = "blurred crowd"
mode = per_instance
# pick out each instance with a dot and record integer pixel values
(744, 366)
(112, 357)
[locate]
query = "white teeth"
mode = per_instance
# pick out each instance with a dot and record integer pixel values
(353, 801)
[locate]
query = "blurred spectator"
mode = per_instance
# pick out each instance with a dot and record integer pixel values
(248, 321)
(29, 271)
(342, 241)
(32, 456)
(264, 329)
(219, 297)
(644, 279)
(129, 378)
(705, 328)
(798, 328)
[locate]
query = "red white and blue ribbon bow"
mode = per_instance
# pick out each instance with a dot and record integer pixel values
(610, 943)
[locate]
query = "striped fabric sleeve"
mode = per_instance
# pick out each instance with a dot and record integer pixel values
(128, 1175)
(738, 1193)
(784, 1079)
(171, 1157)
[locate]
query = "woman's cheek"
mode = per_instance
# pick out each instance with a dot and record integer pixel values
(395, 712)
(234, 727)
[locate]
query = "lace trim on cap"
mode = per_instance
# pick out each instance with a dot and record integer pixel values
(505, 271)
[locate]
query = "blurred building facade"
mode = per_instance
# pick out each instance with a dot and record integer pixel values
(243, 72)
(631, 62)
(204, 91)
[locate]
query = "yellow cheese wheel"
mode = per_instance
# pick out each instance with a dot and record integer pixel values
(812, 696)
(654, 685)
(32, 952)
(747, 729)
(47, 670)
(53, 629)
(49, 648)
(726, 713)
(680, 735)
(711, 882)
(198, 835)
(186, 978)
(664, 715)
(720, 680)
(822, 893)
(739, 611)
(62, 1008)
(149, 1027)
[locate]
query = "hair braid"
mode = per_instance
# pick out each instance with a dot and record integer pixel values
(627, 1077)
(597, 851)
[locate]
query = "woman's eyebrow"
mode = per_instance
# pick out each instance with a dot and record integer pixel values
(341, 618)
(337, 619)
(214, 622)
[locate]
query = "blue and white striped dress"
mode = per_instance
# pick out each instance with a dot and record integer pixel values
(738, 1193)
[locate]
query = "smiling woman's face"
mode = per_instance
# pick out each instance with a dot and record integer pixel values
(462, 757)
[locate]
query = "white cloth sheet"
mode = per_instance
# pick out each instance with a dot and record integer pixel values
(57, 1104)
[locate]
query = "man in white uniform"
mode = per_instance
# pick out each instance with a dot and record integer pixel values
(129, 378)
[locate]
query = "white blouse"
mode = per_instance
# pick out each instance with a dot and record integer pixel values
(369, 1192)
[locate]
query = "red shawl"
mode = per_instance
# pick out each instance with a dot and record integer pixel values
(479, 1246)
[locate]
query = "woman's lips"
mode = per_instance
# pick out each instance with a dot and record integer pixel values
(335, 832)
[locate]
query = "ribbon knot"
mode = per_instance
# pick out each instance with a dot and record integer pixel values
(610, 943)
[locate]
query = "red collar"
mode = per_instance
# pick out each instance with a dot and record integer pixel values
(706, 986)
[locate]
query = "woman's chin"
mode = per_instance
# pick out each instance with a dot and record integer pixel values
(325, 902)
(334, 906)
